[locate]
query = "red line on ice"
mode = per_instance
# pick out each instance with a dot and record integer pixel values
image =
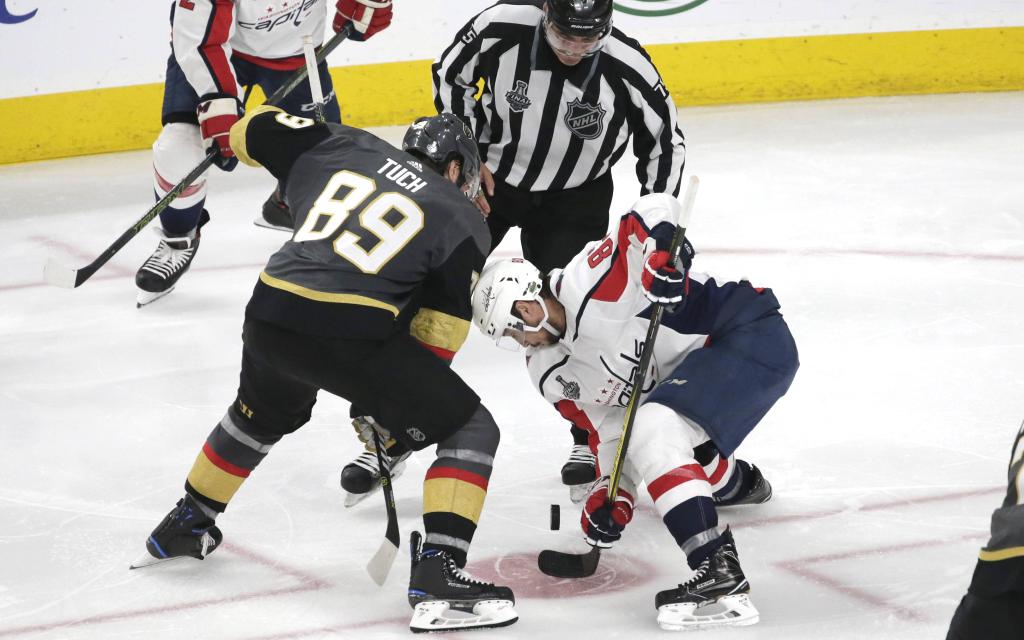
(881, 253)
(801, 567)
(307, 582)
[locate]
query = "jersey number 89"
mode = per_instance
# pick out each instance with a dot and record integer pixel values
(392, 237)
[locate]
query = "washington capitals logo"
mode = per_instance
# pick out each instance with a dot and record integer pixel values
(585, 120)
(6, 17)
(570, 390)
(517, 98)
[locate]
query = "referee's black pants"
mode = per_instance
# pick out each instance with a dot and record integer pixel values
(555, 225)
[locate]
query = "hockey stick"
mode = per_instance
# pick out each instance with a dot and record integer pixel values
(314, 80)
(58, 275)
(573, 565)
(380, 564)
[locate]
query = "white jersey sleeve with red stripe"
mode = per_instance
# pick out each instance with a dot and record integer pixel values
(206, 33)
(602, 284)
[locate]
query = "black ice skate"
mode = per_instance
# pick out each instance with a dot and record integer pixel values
(716, 595)
(162, 270)
(185, 532)
(361, 478)
(756, 490)
(275, 214)
(438, 587)
(579, 472)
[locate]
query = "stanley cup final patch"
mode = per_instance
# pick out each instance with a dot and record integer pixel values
(585, 120)
(570, 389)
(517, 98)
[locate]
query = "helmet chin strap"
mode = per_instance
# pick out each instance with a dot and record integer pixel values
(544, 324)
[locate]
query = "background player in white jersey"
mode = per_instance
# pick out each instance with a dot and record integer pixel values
(723, 357)
(218, 47)
(564, 94)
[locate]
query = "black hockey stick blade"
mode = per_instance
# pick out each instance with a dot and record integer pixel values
(558, 564)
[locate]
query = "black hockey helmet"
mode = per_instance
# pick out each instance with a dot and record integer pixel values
(581, 18)
(441, 139)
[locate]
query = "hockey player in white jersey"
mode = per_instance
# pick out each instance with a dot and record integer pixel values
(723, 357)
(217, 47)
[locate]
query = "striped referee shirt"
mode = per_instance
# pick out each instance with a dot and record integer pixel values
(544, 126)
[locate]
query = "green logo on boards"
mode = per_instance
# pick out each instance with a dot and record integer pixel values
(656, 8)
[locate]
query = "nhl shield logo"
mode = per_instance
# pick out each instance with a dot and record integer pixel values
(584, 120)
(517, 98)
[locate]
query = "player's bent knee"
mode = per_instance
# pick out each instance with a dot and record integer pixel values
(176, 152)
(479, 434)
(661, 437)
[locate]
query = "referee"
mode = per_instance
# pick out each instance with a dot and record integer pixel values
(563, 94)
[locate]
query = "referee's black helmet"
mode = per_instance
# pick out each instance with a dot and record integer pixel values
(582, 18)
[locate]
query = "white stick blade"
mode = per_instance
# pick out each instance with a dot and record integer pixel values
(57, 275)
(379, 565)
(688, 198)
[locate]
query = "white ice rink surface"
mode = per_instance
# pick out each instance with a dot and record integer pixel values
(892, 231)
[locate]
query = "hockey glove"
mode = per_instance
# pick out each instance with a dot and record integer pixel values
(367, 17)
(662, 282)
(366, 425)
(216, 113)
(603, 523)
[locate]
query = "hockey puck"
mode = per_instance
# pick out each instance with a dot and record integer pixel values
(555, 517)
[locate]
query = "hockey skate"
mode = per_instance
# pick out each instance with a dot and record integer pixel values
(756, 490)
(275, 214)
(361, 478)
(446, 598)
(186, 532)
(162, 270)
(716, 595)
(579, 472)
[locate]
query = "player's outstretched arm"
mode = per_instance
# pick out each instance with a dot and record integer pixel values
(271, 138)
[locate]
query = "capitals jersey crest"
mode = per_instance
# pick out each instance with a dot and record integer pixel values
(585, 120)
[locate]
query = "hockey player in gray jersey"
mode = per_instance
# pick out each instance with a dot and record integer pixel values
(993, 608)
(372, 288)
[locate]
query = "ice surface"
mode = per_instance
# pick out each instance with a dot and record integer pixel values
(890, 229)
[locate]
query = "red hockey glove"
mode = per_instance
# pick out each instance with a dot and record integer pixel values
(662, 283)
(367, 17)
(603, 524)
(216, 113)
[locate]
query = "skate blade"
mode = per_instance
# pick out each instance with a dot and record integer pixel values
(437, 615)
(352, 499)
(735, 611)
(261, 222)
(146, 560)
(579, 492)
(148, 297)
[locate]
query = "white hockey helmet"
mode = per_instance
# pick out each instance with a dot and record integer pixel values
(501, 284)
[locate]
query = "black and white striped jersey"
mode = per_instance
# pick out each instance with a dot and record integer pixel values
(544, 126)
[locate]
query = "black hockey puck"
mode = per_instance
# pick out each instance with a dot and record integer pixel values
(555, 517)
